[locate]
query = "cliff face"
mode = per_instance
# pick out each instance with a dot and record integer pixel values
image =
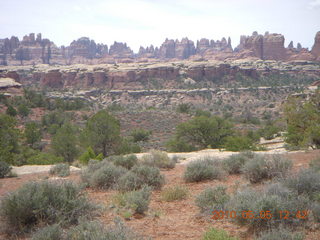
(34, 49)
(142, 76)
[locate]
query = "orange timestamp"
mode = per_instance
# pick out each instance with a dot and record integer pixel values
(300, 214)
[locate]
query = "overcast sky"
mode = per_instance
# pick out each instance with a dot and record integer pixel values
(145, 22)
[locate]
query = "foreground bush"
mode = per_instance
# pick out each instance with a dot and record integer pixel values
(158, 159)
(234, 163)
(61, 170)
(103, 175)
(249, 204)
(315, 164)
(44, 202)
(203, 169)
(307, 182)
(97, 231)
(280, 233)
(136, 201)
(212, 199)
(53, 232)
(150, 176)
(5, 169)
(260, 168)
(174, 193)
(215, 234)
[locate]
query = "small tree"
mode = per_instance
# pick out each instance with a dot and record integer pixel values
(23, 110)
(32, 133)
(8, 138)
(205, 131)
(102, 132)
(64, 142)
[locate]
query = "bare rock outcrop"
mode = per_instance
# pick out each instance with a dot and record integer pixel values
(120, 50)
(316, 47)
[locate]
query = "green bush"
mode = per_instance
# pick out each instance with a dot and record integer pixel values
(260, 168)
(96, 231)
(234, 163)
(238, 143)
(203, 169)
(280, 233)
(5, 169)
(106, 177)
(44, 202)
(61, 170)
(307, 182)
(212, 199)
(140, 135)
(126, 146)
(179, 145)
(125, 161)
(11, 111)
(184, 108)
(158, 159)
(315, 164)
(53, 232)
(174, 193)
(43, 159)
(215, 234)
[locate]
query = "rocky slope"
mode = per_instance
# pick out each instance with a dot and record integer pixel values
(35, 50)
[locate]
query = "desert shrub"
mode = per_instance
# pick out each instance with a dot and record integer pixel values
(174, 193)
(212, 199)
(307, 182)
(139, 200)
(184, 108)
(136, 201)
(234, 163)
(53, 232)
(253, 207)
(125, 161)
(150, 176)
(44, 202)
(278, 166)
(95, 230)
(255, 170)
(61, 170)
(129, 182)
(215, 234)
(158, 159)
(316, 211)
(260, 168)
(139, 135)
(203, 169)
(5, 169)
(315, 164)
(280, 233)
(106, 176)
(42, 158)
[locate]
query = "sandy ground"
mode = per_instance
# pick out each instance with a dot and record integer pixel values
(28, 169)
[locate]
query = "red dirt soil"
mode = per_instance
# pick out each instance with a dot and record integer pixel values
(179, 219)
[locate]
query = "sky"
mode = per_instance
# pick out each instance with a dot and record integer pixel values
(146, 22)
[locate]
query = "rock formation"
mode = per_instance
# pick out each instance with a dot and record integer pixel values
(316, 47)
(34, 49)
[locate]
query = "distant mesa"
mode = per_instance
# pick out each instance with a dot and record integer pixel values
(33, 49)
